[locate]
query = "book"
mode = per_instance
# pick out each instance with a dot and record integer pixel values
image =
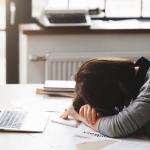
(59, 85)
(55, 93)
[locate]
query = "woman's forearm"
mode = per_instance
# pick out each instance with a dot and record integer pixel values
(130, 119)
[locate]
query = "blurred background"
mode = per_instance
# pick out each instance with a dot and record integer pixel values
(16, 12)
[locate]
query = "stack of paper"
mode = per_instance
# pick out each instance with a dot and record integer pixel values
(86, 132)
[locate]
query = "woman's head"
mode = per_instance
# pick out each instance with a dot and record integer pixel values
(105, 84)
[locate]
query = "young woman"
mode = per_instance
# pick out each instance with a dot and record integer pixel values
(113, 97)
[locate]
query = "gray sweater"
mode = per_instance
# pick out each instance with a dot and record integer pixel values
(131, 118)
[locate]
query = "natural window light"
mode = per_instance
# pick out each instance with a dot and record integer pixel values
(2, 40)
(123, 8)
(39, 5)
(2, 15)
(113, 8)
(146, 8)
(80, 4)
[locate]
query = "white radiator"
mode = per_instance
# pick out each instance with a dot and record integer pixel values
(63, 66)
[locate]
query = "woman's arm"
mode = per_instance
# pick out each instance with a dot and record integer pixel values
(130, 119)
(91, 120)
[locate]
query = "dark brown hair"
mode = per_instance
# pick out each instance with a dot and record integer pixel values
(107, 84)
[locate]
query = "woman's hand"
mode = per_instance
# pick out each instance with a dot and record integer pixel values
(89, 114)
(72, 113)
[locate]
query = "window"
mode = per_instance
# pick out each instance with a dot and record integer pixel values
(127, 8)
(2, 41)
(113, 8)
(87, 4)
(123, 8)
(39, 5)
(146, 8)
(3, 14)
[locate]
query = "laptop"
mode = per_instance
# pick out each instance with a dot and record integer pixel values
(23, 121)
(65, 18)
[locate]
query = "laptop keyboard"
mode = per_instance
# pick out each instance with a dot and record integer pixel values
(67, 18)
(12, 119)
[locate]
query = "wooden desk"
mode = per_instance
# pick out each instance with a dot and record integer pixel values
(55, 137)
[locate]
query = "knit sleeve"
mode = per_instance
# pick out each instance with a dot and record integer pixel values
(131, 118)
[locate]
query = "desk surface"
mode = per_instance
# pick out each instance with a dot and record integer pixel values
(55, 136)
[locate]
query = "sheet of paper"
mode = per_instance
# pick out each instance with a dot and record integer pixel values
(105, 143)
(129, 145)
(95, 145)
(86, 132)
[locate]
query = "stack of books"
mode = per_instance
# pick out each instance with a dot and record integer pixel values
(58, 88)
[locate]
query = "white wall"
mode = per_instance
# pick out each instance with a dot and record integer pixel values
(125, 45)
